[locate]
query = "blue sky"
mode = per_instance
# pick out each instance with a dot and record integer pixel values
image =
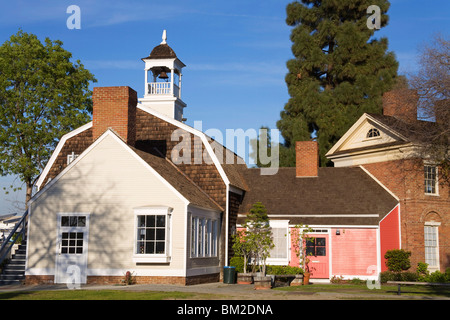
(235, 51)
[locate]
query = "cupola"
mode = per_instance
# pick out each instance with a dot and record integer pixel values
(163, 81)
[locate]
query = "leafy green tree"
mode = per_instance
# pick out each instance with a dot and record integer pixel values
(258, 235)
(241, 247)
(43, 95)
(339, 70)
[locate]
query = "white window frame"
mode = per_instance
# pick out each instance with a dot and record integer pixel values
(281, 224)
(371, 131)
(431, 227)
(71, 157)
(204, 235)
(155, 257)
(436, 184)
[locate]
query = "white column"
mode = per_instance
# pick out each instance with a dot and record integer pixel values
(146, 83)
(171, 81)
(179, 85)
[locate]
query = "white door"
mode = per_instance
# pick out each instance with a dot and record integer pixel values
(71, 251)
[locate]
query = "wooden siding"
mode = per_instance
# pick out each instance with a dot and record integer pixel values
(108, 182)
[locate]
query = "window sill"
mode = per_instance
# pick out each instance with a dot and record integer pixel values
(432, 194)
(150, 258)
(277, 261)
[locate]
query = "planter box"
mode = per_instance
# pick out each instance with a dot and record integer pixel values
(298, 280)
(244, 278)
(263, 283)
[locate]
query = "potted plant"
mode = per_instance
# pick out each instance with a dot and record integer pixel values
(300, 236)
(260, 237)
(241, 248)
(254, 243)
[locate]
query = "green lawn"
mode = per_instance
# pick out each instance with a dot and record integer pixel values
(95, 295)
(364, 290)
(359, 291)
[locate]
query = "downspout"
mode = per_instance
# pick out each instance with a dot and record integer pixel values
(226, 223)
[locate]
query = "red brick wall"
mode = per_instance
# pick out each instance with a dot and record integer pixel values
(401, 103)
(307, 158)
(111, 280)
(115, 108)
(405, 178)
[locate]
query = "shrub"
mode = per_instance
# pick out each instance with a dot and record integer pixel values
(284, 270)
(409, 276)
(398, 276)
(387, 276)
(238, 263)
(437, 276)
(398, 260)
(357, 281)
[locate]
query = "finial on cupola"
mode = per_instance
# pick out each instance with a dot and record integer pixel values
(164, 37)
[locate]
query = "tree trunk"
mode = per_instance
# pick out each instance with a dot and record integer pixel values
(29, 193)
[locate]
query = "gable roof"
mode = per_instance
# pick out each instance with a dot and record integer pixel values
(178, 180)
(160, 166)
(338, 196)
(400, 131)
(411, 130)
(229, 172)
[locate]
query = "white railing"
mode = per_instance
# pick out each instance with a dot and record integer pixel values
(162, 88)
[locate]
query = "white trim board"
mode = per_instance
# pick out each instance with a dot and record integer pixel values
(58, 150)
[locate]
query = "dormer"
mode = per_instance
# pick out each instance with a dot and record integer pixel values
(163, 73)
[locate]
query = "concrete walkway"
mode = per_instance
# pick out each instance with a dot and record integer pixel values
(221, 291)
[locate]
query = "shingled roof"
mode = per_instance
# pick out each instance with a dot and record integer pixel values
(179, 180)
(162, 51)
(338, 196)
(413, 130)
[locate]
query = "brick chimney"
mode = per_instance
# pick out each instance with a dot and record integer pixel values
(307, 158)
(401, 103)
(115, 108)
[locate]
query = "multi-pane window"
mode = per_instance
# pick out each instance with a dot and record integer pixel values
(204, 233)
(151, 234)
(71, 157)
(280, 250)
(372, 133)
(152, 242)
(72, 235)
(72, 243)
(73, 221)
(430, 175)
(431, 246)
(316, 247)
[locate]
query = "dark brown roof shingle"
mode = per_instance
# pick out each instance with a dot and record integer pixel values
(179, 180)
(162, 51)
(321, 200)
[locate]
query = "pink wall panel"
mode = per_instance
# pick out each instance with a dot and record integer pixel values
(354, 251)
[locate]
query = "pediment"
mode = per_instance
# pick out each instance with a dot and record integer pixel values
(367, 134)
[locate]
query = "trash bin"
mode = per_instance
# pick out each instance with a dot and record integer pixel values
(229, 274)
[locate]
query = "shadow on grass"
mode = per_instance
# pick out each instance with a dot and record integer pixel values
(95, 295)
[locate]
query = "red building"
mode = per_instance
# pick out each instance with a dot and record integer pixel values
(354, 219)
(390, 148)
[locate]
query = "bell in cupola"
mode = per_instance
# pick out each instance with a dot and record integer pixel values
(162, 80)
(163, 75)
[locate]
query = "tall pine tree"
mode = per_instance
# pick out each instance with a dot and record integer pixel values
(339, 70)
